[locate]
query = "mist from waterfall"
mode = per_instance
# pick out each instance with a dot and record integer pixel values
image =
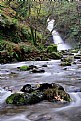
(61, 45)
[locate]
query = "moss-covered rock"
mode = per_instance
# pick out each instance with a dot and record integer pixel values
(78, 56)
(52, 48)
(74, 51)
(67, 59)
(55, 55)
(65, 63)
(16, 98)
(34, 94)
(25, 98)
(56, 95)
(26, 68)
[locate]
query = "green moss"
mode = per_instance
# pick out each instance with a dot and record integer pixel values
(67, 59)
(26, 32)
(65, 63)
(25, 98)
(52, 48)
(75, 51)
(26, 49)
(16, 98)
(55, 55)
(24, 68)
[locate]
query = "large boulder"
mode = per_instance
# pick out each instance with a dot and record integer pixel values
(34, 94)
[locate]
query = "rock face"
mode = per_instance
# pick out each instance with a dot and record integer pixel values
(34, 94)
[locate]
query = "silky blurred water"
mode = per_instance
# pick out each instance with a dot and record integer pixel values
(13, 79)
(61, 45)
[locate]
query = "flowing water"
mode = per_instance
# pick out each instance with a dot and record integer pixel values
(13, 79)
(61, 45)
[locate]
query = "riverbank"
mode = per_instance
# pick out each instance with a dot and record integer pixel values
(25, 36)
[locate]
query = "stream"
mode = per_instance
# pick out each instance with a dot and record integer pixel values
(12, 80)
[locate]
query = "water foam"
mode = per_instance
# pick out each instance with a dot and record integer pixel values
(61, 45)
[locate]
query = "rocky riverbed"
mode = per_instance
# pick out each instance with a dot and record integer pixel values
(12, 80)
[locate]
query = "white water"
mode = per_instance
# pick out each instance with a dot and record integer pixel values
(20, 117)
(3, 95)
(56, 37)
(76, 101)
(39, 111)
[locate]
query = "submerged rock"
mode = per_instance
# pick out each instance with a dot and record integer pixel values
(34, 94)
(38, 70)
(44, 65)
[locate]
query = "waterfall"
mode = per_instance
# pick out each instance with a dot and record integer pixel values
(61, 45)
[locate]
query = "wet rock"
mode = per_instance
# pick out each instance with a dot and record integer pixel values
(31, 95)
(74, 62)
(56, 95)
(38, 71)
(32, 66)
(16, 98)
(25, 98)
(77, 56)
(44, 86)
(65, 64)
(40, 87)
(27, 68)
(66, 61)
(74, 51)
(27, 88)
(65, 68)
(44, 65)
(55, 55)
(59, 87)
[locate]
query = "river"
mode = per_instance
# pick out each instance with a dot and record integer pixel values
(13, 79)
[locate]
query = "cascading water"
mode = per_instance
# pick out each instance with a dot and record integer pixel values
(56, 37)
(3, 95)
